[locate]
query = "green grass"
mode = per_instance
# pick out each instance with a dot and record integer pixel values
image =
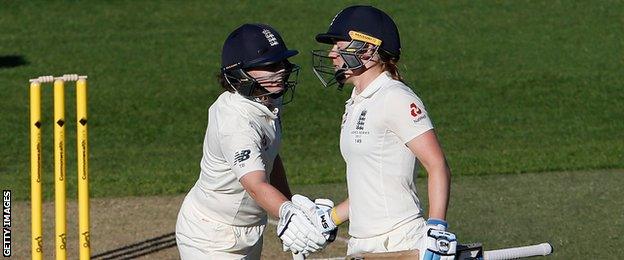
(579, 213)
(512, 86)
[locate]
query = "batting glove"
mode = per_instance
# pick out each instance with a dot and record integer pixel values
(319, 212)
(441, 244)
(325, 206)
(296, 231)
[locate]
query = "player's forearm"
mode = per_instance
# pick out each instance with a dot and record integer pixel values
(279, 179)
(267, 196)
(439, 186)
(340, 213)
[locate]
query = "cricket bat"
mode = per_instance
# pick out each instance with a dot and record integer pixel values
(473, 251)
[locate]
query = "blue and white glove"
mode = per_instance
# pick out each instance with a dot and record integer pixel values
(441, 244)
(319, 212)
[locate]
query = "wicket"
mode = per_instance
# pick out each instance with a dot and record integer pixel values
(59, 165)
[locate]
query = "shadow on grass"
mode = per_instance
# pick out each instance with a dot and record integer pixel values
(11, 61)
(139, 249)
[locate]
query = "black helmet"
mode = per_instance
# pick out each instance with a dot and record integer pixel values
(251, 46)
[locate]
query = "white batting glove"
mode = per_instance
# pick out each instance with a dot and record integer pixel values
(319, 212)
(441, 244)
(298, 234)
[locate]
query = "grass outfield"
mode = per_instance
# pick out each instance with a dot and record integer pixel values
(579, 213)
(512, 87)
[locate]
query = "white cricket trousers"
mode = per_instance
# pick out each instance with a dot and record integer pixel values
(408, 236)
(198, 238)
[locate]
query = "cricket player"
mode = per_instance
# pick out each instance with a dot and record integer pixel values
(242, 177)
(385, 131)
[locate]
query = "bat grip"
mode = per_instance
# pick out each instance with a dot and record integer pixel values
(519, 252)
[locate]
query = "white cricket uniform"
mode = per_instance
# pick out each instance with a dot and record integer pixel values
(383, 201)
(218, 218)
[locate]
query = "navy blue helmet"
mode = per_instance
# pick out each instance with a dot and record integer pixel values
(367, 20)
(367, 29)
(254, 46)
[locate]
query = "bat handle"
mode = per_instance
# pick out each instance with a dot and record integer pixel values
(519, 252)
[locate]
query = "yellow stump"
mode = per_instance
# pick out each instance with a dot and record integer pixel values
(83, 168)
(36, 231)
(59, 169)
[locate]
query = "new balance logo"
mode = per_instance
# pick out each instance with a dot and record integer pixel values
(360, 123)
(241, 156)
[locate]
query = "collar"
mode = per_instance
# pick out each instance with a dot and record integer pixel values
(251, 107)
(374, 86)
